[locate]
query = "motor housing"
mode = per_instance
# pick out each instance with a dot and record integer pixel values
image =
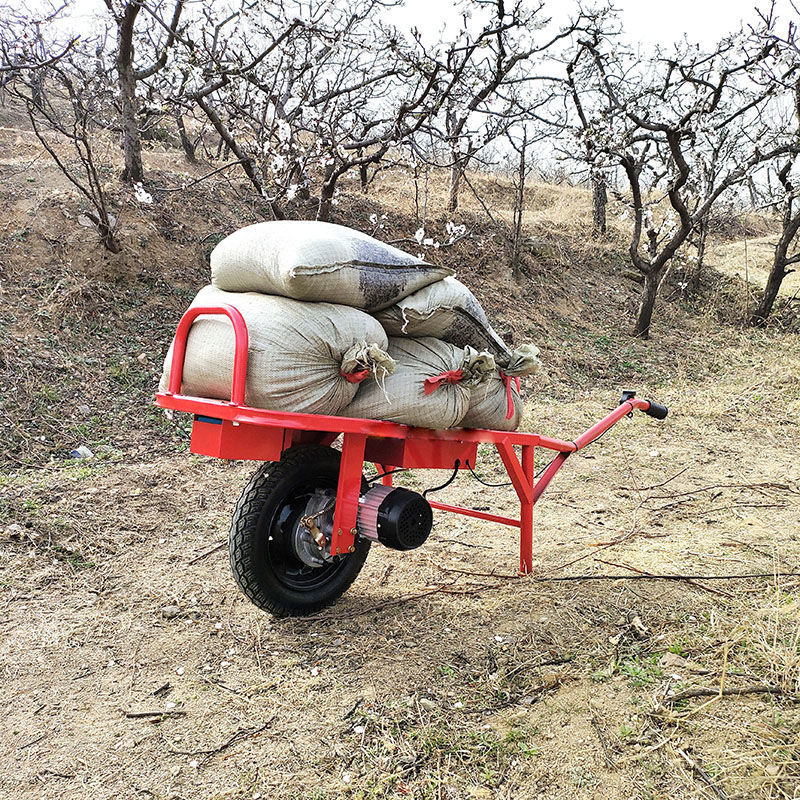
(396, 517)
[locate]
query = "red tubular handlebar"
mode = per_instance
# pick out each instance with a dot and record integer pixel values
(625, 407)
(240, 351)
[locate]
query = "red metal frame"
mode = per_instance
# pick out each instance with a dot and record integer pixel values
(230, 429)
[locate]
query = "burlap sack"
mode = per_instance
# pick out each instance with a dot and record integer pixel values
(300, 354)
(446, 310)
(495, 404)
(318, 261)
(430, 386)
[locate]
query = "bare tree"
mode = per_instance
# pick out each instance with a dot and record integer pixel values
(27, 48)
(787, 193)
(125, 14)
(659, 120)
(492, 71)
(64, 126)
(789, 205)
(317, 99)
(520, 177)
(597, 179)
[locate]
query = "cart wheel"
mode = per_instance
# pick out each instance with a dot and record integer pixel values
(263, 540)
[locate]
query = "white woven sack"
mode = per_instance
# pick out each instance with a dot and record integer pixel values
(430, 386)
(446, 310)
(489, 404)
(318, 261)
(299, 354)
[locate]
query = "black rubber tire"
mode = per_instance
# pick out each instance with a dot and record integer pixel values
(274, 494)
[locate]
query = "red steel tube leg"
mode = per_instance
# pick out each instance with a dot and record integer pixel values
(386, 480)
(526, 514)
(345, 512)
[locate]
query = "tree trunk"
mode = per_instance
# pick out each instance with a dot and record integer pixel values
(186, 142)
(326, 194)
(131, 141)
(599, 203)
(702, 238)
(105, 229)
(519, 205)
(456, 170)
(764, 308)
(647, 304)
(791, 227)
(363, 177)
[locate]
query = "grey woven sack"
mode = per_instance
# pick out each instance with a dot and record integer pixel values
(430, 386)
(489, 404)
(302, 357)
(446, 310)
(318, 261)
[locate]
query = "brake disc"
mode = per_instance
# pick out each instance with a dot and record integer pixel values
(311, 538)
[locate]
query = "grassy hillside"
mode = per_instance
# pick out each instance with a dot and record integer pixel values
(441, 674)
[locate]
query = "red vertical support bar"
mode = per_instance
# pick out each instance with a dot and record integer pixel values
(348, 491)
(526, 513)
(386, 480)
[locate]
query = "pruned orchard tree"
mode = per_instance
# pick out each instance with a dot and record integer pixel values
(62, 105)
(492, 72)
(788, 205)
(157, 40)
(683, 128)
(785, 191)
(333, 92)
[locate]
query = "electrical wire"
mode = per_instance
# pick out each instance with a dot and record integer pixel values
(385, 474)
(481, 480)
(456, 466)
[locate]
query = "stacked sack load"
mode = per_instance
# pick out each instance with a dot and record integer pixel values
(342, 324)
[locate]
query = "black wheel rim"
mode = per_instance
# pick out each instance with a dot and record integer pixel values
(279, 523)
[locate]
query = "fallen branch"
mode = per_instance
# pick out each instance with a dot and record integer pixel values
(690, 581)
(783, 487)
(207, 553)
(639, 575)
(610, 763)
(758, 689)
(153, 714)
(466, 544)
(396, 601)
(240, 735)
(664, 483)
(702, 774)
(31, 742)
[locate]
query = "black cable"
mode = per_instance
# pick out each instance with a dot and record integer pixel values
(544, 467)
(480, 480)
(385, 474)
(456, 465)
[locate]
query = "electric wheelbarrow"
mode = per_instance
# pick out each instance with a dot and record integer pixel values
(305, 522)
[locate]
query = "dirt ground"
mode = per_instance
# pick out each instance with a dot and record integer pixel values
(133, 668)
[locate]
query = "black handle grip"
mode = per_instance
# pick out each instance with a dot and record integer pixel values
(656, 410)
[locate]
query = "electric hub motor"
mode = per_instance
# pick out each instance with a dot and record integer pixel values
(396, 517)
